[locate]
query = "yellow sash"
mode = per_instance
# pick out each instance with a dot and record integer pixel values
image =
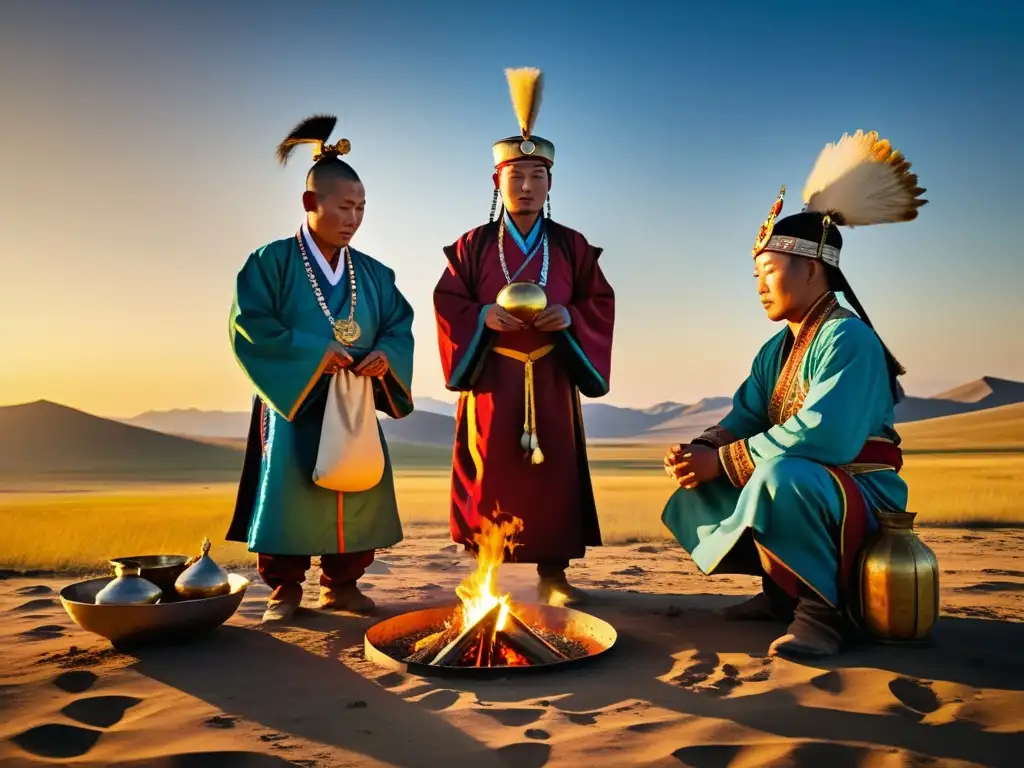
(529, 440)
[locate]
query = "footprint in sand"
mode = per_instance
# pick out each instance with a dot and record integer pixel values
(62, 741)
(730, 680)
(100, 711)
(807, 753)
(514, 718)
(703, 666)
(221, 721)
(649, 727)
(525, 754)
(915, 696)
(39, 589)
(708, 756)
(234, 759)
(76, 681)
(390, 680)
(1003, 572)
(40, 604)
(580, 718)
(439, 699)
(994, 586)
(45, 632)
(58, 741)
(830, 682)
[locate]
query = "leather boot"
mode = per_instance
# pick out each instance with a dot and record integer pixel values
(283, 603)
(772, 604)
(345, 597)
(815, 630)
(554, 588)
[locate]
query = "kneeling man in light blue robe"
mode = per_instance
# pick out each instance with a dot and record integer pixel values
(786, 485)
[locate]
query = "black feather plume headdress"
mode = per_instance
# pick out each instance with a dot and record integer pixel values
(314, 130)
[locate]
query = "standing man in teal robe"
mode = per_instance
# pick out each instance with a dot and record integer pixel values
(785, 486)
(306, 307)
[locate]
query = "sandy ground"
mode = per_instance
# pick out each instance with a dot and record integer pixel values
(681, 687)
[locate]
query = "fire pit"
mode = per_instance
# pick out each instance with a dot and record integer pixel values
(487, 634)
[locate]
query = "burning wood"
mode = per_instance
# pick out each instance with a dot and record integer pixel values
(517, 636)
(485, 632)
(478, 636)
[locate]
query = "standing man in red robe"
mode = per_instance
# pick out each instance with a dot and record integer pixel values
(520, 448)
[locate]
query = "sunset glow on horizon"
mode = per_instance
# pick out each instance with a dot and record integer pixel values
(140, 172)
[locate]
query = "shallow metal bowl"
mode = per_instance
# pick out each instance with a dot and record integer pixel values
(161, 570)
(130, 624)
(597, 635)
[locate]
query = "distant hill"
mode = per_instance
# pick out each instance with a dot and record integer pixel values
(433, 405)
(45, 439)
(604, 422)
(194, 422)
(986, 392)
(432, 423)
(999, 428)
(421, 428)
(688, 422)
(426, 435)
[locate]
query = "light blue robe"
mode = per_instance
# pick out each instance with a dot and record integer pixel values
(839, 398)
(280, 338)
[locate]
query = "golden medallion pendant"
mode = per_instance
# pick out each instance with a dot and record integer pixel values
(347, 331)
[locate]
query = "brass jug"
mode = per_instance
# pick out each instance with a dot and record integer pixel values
(523, 300)
(128, 587)
(898, 579)
(204, 578)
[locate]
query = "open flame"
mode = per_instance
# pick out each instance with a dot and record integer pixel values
(478, 591)
(486, 631)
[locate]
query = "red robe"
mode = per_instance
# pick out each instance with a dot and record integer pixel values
(490, 470)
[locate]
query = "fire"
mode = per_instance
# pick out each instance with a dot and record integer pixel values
(486, 631)
(478, 591)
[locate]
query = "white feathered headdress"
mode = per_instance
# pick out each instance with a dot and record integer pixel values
(861, 180)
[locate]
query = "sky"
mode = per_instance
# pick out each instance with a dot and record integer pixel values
(138, 172)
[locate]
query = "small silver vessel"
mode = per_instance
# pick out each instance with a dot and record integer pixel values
(162, 570)
(129, 588)
(204, 578)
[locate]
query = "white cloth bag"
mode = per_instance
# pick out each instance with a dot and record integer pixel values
(350, 457)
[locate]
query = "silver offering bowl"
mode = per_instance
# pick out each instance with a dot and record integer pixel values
(137, 624)
(161, 570)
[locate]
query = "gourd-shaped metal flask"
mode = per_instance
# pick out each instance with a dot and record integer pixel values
(128, 587)
(898, 577)
(204, 578)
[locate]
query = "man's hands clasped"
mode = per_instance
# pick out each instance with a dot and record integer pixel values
(692, 465)
(554, 318)
(374, 364)
(339, 359)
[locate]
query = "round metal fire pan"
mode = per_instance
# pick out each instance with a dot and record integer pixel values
(597, 634)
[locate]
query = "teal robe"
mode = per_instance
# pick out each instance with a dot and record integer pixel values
(280, 337)
(810, 407)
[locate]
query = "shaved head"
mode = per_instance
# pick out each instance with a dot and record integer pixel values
(326, 173)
